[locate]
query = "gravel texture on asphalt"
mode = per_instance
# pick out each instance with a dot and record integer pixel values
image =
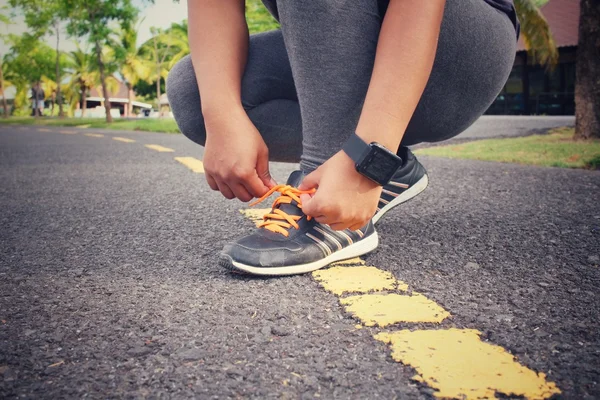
(109, 283)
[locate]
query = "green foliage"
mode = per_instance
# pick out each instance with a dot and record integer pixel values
(555, 149)
(140, 124)
(258, 18)
(536, 32)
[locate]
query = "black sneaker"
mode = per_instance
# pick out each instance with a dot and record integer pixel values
(288, 242)
(410, 180)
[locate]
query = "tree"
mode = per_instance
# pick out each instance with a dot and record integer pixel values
(94, 20)
(178, 36)
(4, 19)
(587, 84)
(26, 62)
(133, 66)
(536, 33)
(161, 50)
(42, 17)
(82, 76)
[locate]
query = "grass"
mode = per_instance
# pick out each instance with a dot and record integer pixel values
(146, 124)
(554, 149)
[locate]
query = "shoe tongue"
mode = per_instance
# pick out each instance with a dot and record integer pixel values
(294, 180)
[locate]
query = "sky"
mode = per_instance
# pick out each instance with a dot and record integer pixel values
(160, 15)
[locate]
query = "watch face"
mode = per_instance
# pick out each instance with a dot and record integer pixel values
(380, 164)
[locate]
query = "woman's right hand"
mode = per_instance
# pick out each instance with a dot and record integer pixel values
(236, 158)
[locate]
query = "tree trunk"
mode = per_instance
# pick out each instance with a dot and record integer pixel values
(83, 101)
(103, 81)
(129, 100)
(587, 85)
(4, 102)
(61, 113)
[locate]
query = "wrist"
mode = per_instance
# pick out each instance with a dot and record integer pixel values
(219, 113)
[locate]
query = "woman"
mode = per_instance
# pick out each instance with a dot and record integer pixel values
(344, 87)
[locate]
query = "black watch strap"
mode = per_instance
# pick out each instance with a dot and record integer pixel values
(355, 147)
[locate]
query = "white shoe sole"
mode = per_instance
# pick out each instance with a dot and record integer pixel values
(404, 197)
(357, 249)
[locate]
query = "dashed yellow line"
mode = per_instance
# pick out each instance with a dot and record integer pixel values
(122, 139)
(44, 130)
(95, 135)
(68, 132)
(192, 163)
(454, 362)
(159, 148)
(459, 364)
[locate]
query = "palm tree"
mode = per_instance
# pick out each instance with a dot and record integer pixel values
(178, 34)
(82, 76)
(536, 33)
(133, 66)
(4, 19)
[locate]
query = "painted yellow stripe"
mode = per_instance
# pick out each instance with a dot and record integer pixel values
(94, 135)
(192, 163)
(458, 364)
(362, 279)
(387, 309)
(159, 148)
(44, 130)
(124, 140)
(255, 214)
(68, 132)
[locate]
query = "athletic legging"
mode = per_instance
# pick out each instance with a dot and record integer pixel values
(304, 85)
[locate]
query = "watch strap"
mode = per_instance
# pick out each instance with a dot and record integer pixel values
(355, 147)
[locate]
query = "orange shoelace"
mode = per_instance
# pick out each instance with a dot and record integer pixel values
(277, 220)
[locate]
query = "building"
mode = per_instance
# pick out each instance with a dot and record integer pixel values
(118, 100)
(531, 90)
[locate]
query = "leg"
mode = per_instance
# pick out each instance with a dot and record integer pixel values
(331, 46)
(268, 96)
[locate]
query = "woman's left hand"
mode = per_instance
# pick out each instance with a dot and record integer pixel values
(344, 198)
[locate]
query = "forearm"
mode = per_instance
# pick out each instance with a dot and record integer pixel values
(403, 62)
(218, 36)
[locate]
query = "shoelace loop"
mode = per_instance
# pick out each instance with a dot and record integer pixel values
(277, 220)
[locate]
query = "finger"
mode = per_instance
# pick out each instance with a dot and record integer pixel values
(255, 186)
(211, 182)
(323, 219)
(240, 192)
(311, 180)
(262, 169)
(355, 227)
(225, 190)
(339, 226)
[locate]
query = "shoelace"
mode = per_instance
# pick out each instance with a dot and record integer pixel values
(277, 220)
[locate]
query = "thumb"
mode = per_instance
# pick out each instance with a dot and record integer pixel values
(311, 181)
(262, 169)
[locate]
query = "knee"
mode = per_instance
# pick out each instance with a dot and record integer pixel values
(184, 99)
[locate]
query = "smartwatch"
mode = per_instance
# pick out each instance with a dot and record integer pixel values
(372, 160)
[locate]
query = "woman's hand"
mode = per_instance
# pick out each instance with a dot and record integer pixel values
(236, 158)
(344, 198)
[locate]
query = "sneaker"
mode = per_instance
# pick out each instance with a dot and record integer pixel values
(288, 242)
(410, 180)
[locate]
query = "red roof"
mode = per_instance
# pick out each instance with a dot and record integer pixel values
(563, 17)
(121, 92)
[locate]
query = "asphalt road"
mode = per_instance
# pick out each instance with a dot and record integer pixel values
(110, 288)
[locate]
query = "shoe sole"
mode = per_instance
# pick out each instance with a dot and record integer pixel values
(408, 194)
(357, 249)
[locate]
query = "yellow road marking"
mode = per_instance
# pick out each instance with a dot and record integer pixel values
(192, 163)
(44, 130)
(255, 214)
(83, 126)
(362, 279)
(94, 134)
(387, 309)
(459, 365)
(350, 261)
(67, 132)
(124, 140)
(159, 148)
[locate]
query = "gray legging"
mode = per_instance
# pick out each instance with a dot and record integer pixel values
(304, 85)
